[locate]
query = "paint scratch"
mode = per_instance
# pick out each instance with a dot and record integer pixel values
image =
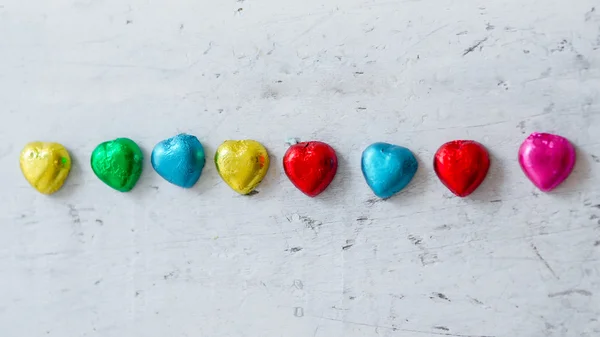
(537, 253)
(582, 292)
(474, 46)
(394, 328)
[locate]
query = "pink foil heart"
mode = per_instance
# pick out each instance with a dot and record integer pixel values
(546, 159)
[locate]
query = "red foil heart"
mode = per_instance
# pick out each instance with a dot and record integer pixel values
(461, 165)
(310, 166)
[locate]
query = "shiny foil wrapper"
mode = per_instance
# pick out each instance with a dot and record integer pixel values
(118, 163)
(310, 166)
(547, 159)
(242, 164)
(179, 160)
(45, 166)
(388, 168)
(461, 165)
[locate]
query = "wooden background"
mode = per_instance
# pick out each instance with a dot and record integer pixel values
(162, 261)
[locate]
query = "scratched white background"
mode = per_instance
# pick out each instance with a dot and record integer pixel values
(162, 261)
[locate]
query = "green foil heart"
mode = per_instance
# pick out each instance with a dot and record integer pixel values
(118, 163)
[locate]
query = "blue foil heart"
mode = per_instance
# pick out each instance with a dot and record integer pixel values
(388, 168)
(179, 160)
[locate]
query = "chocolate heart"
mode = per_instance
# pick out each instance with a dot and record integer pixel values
(179, 160)
(461, 165)
(546, 159)
(388, 168)
(242, 164)
(45, 166)
(118, 163)
(310, 166)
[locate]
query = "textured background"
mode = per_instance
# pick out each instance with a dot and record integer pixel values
(162, 261)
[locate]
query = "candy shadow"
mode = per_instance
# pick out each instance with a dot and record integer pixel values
(490, 188)
(416, 187)
(336, 187)
(146, 179)
(210, 178)
(75, 179)
(271, 180)
(581, 173)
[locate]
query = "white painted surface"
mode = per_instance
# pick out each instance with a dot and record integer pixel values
(161, 261)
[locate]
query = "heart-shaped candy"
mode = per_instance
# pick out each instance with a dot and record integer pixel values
(388, 168)
(310, 166)
(118, 163)
(546, 159)
(242, 164)
(461, 165)
(45, 166)
(179, 160)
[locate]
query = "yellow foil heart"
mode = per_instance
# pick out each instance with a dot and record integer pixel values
(45, 166)
(242, 164)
